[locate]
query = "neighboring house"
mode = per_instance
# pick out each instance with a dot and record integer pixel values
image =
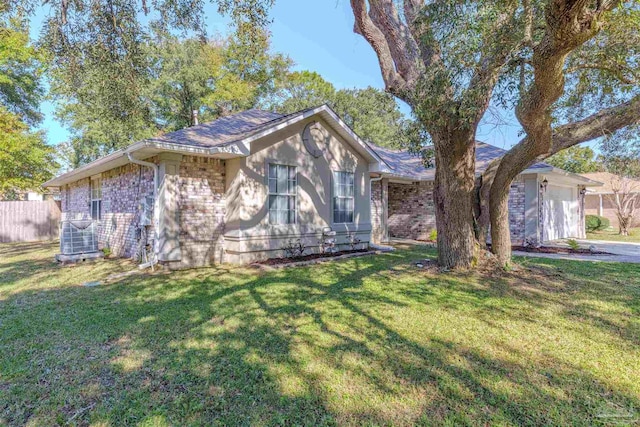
(239, 188)
(30, 196)
(599, 201)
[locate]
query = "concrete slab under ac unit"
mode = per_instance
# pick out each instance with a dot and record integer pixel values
(79, 257)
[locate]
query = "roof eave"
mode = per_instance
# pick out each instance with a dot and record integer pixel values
(587, 182)
(224, 151)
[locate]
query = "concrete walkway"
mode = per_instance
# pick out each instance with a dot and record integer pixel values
(620, 251)
(580, 257)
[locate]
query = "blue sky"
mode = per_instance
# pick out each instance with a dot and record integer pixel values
(321, 39)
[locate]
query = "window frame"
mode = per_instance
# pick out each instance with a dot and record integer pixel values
(334, 196)
(93, 199)
(288, 194)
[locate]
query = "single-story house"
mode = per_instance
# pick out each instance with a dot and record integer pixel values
(239, 188)
(600, 200)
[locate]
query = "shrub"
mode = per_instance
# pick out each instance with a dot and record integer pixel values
(433, 235)
(294, 249)
(596, 223)
(106, 251)
(573, 244)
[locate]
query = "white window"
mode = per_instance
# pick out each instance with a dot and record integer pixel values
(283, 185)
(343, 191)
(96, 199)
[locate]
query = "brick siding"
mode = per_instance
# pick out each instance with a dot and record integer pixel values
(123, 190)
(412, 211)
(201, 207)
(201, 203)
(517, 211)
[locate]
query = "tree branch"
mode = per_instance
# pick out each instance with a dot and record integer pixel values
(402, 46)
(365, 26)
(618, 72)
(480, 89)
(602, 123)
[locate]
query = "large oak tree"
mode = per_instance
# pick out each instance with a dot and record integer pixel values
(449, 60)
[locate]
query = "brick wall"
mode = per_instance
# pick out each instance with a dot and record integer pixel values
(517, 211)
(201, 206)
(123, 189)
(75, 199)
(412, 212)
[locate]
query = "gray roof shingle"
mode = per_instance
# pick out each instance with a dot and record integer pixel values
(221, 131)
(406, 164)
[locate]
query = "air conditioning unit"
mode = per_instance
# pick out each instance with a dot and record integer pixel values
(78, 237)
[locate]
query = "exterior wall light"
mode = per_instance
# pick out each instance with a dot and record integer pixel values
(544, 184)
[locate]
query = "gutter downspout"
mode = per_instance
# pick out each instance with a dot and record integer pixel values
(156, 210)
(371, 181)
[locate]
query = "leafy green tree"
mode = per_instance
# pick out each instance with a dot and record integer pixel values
(25, 159)
(100, 70)
(373, 114)
(215, 78)
(300, 90)
(20, 70)
(575, 159)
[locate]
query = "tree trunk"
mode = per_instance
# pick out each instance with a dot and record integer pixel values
(499, 214)
(521, 156)
(453, 196)
(483, 190)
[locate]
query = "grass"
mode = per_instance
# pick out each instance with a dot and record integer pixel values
(612, 235)
(366, 341)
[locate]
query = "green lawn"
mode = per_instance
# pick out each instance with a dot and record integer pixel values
(366, 341)
(612, 235)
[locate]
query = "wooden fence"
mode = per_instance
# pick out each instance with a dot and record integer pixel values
(29, 221)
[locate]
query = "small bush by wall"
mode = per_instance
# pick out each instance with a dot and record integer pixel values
(595, 223)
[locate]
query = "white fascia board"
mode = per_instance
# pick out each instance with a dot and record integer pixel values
(377, 167)
(82, 170)
(115, 158)
(575, 177)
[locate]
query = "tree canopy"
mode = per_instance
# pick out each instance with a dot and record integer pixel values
(25, 159)
(576, 159)
(177, 76)
(372, 113)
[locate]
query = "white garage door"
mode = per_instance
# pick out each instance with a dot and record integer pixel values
(560, 212)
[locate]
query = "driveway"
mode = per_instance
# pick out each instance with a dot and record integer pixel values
(620, 251)
(618, 248)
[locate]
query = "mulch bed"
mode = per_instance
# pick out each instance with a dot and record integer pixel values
(280, 261)
(546, 249)
(555, 250)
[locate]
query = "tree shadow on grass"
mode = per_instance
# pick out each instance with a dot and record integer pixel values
(305, 346)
